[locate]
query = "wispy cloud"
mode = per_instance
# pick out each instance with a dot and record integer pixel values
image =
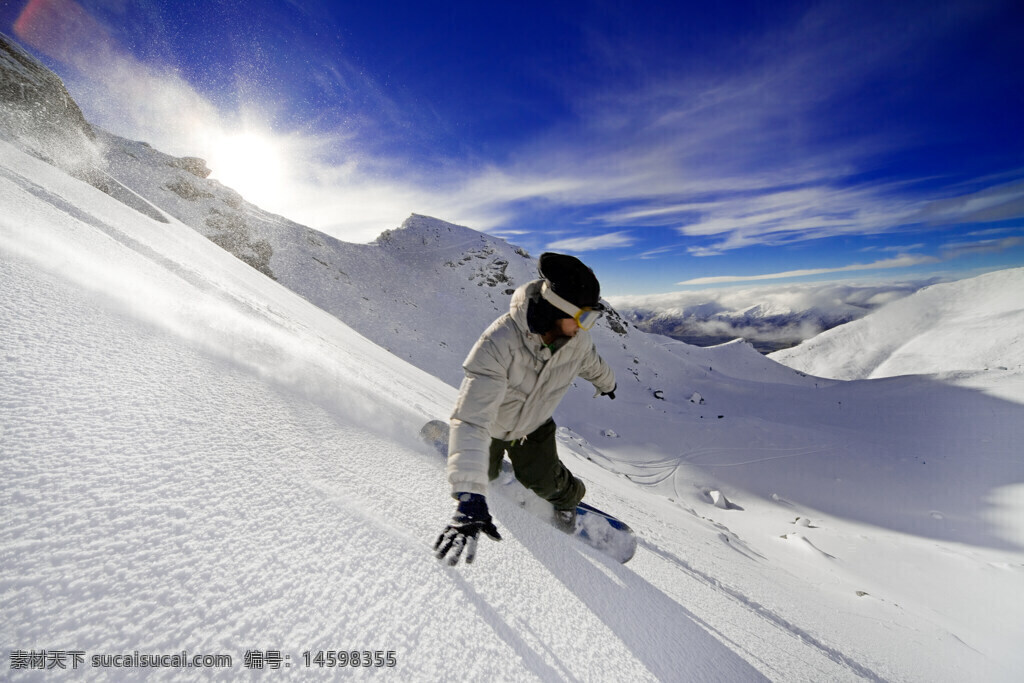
(949, 251)
(901, 249)
(742, 157)
(592, 243)
(778, 217)
(992, 246)
(655, 253)
(899, 262)
(783, 216)
(1001, 202)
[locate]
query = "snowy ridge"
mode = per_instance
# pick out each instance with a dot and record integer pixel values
(199, 454)
(376, 288)
(970, 331)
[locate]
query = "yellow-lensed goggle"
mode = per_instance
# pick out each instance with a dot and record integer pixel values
(586, 317)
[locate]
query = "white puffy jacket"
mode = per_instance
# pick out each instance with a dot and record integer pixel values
(512, 386)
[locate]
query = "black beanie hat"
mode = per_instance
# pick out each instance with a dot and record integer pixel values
(571, 279)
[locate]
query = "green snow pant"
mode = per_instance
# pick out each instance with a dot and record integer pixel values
(536, 464)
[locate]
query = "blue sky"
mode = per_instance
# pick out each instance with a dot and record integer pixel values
(670, 145)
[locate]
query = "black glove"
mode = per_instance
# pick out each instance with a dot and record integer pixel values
(610, 394)
(471, 517)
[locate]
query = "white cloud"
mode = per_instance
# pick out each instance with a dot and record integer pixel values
(608, 241)
(990, 232)
(897, 248)
(1001, 202)
(655, 253)
(992, 246)
(905, 261)
(788, 297)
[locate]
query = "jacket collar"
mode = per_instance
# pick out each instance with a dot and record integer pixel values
(521, 302)
(518, 307)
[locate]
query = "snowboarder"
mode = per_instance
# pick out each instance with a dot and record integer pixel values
(516, 375)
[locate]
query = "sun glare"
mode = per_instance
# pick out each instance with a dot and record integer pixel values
(252, 164)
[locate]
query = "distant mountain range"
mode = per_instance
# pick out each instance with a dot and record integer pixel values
(704, 325)
(768, 317)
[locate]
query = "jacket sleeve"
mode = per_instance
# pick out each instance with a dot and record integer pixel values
(596, 371)
(480, 397)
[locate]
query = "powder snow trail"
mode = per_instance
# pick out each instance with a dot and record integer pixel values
(764, 613)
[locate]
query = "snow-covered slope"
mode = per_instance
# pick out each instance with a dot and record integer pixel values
(970, 331)
(196, 458)
(377, 288)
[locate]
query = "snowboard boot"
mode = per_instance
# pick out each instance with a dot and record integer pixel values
(565, 520)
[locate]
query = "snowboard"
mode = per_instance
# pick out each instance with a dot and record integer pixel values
(594, 527)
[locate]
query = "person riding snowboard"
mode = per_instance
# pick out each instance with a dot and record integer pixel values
(516, 375)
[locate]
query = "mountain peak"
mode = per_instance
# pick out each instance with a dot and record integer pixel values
(420, 231)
